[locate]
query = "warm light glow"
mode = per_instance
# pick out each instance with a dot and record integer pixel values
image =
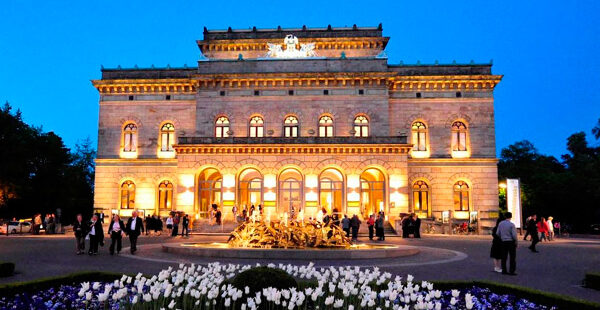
(145, 198)
(228, 196)
(130, 155)
(228, 180)
(186, 180)
(461, 154)
(396, 181)
(398, 199)
(312, 181)
(419, 154)
(165, 154)
(502, 185)
(270, 181)
(311, 196)
(270, 196)
(353, 196)
(353, 181)
(185, 199)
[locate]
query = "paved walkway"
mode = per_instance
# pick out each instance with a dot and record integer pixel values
(559, 267)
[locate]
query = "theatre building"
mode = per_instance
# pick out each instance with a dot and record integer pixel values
(298, 119)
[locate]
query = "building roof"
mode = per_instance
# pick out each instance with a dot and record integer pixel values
(303, 32)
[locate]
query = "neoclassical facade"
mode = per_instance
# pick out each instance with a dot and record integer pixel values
(298, 119)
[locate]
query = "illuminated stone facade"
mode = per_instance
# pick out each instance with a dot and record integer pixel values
(318, 121)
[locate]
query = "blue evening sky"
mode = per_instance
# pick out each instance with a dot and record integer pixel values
(548, 51)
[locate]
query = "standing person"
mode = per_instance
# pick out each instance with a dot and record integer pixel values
(134, 229)
(116, 228)
(532, 230)
(379, 227)
(508, 234)
(37, 222)
(371, 225)
(542, 229)
(170, 224)
(496, 251)
(550, 228)
(50, 225)
(416, 225)
(79, 229)
(234, 211)
(355, 225)
(218, 216)
(175, 225)
(158, 225)
(527, 230)
(185, 222)
(96, 235)
(148, 222)
(406, 226)
(346, 225)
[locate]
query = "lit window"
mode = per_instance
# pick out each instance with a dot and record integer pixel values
(325, 126)
(461, 196)
(459, 136)
(420, 197)
(290, 126)
(222, 127)
(165, 195)
(130, 138)
(361, 126)
(127, 195)
(257, 127)
(419, 136)
(167, 137)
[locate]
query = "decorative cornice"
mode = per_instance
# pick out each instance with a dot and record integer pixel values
(444, 82)
(145, 86)
(242, 45)
(308, 149)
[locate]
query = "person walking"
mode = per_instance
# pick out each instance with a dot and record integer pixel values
(371, 225)
(532, 230)
(79, 229)
(185, 222)
(134, 229)
(550, 228)
(96, 235)
(542, 227)
(116, 229)
(508, 234)
(526, 230)
(355, 225)
(496, 250)
(346, 225)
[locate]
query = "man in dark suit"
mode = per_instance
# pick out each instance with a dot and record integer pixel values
(96, 235)
(532, 230)
(134, 229)
(80, 230)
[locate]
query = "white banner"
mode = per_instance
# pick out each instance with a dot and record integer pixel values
(513, 200)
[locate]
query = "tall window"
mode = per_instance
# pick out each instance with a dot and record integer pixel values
(420, 197)
(257, 127)
(361, 126)
(459, 136)
(290, 126)
(222, 127)
(325, 126)
(167, 137)
(130, 138)
(127, 195)
(461, 196)
(419, 136)
(165, 195)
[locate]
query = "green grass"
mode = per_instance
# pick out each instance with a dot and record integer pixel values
(11, 289)
(6, 269)
(536, 296)
(592, 280)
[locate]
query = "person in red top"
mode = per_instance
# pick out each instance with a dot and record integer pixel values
(543, 229)
(371, 225)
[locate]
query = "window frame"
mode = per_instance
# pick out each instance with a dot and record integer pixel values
(165, 193)
(419, 136)
(222, 126)
(291, 129)
(423, 188)
(130, 194)
(327, 126)
(459, 136)
(167, 132)
(130, 131)
(464, 196)
(256, 128)
(363, 126)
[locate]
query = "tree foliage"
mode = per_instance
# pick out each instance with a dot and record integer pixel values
(567, 189)
(38, 174)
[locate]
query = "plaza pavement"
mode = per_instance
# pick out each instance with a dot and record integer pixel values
(559, 267)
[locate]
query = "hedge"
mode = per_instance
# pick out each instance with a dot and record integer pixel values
(592, 280)
(6, 269)
(10, 289)
(536, 296)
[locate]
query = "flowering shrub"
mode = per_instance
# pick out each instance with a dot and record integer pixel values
(208, 287)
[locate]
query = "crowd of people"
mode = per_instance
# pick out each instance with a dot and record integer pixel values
(48, 223)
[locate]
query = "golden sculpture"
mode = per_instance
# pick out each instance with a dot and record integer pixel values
(288, 235)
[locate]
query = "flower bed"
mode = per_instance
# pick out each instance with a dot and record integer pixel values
(209, 287)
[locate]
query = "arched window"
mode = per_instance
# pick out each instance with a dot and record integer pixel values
(256, 127)
(222, 127)
(421, 197)
(461, 196)
(167, 137)
(459, 136)
(165, 195)
(130, 138)
(290, 126)
(325, 126)
(361, 126)
(127, 195)
(419, 136)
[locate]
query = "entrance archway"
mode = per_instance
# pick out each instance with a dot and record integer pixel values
(250, 188)
(290, 191)
(331, 190)
(209, 190)
(372, 192)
